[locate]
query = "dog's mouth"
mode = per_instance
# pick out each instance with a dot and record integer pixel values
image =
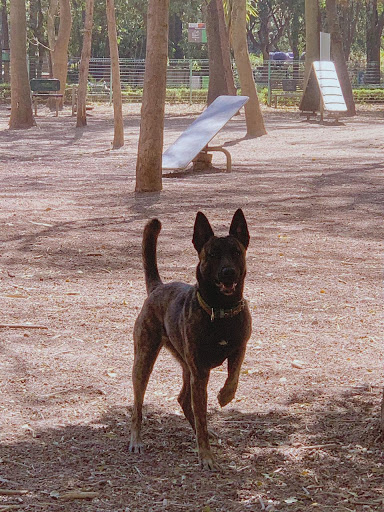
(226, 288)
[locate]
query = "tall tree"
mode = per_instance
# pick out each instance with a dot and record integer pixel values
(84, 65)
(32, 47)
(118, 137)
(374, 28)
(5, 38)
(175, 36)
(338, 56)
(220, 69)
(270, 20)
(349, 17)
(312, 36)
(59, 43)
(149, 157)
(21, 104)
(253, 115)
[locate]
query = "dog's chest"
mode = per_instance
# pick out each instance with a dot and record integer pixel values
(218, 343)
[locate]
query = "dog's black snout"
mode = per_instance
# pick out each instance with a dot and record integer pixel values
(227, 273)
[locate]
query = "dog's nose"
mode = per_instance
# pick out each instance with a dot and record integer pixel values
(227, 273)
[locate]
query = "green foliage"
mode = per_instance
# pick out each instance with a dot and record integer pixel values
(371, 95)
(251, 9)
(5, 93)
(256, 60)
(273, 25)
(173, 95)
(263, 95)
(131, 28)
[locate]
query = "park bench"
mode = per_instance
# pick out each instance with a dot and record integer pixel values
(45, 88)
(192, 145)
(287, 88)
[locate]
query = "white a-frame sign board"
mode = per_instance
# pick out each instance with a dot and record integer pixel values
(323, 92)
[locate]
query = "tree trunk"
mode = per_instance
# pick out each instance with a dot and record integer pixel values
(176, 36)
(220, 68)
(4, 24)
(382, 414)
(21, 104)
(40, 38)
(253, 115)
(348, 20)
(118, 138)
(338, 56)
(33, 13)
(263, 10)
(84, 65)
(312, 35)
(59, 51)
(51, 31)
(375, 24)
(149, 157)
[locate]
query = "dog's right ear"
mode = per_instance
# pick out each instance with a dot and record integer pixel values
(202, 231)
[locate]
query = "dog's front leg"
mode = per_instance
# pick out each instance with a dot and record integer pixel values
(228, 391)
(199, 384)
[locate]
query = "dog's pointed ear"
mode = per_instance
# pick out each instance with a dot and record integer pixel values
(239, 228)
(202, 231)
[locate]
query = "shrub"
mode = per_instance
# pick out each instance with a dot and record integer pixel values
(5, 93)
(368, 95)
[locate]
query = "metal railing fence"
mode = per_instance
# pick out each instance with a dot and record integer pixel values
(188, 80)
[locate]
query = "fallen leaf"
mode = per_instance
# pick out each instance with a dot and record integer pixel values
(296, 363)
(79, 495)
(291, 500)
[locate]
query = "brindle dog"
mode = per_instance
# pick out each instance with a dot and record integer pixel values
(201, 325)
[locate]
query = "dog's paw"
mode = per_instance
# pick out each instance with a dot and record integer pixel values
(226, 395)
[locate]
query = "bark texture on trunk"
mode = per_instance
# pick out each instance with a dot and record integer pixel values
(59, 53)
(84, 65)
(5, 41)
(220, 69)
(149, 158)
(21, 104)
(253, 115)
(374, 28)
(118, 137)
(312, 35)
(338, 55)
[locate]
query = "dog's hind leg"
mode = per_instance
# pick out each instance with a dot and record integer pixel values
(147, 348)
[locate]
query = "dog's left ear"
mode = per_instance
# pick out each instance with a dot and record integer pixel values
(239, 228)
(202, 231)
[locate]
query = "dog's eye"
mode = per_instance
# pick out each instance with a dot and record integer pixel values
(237, 252)
(212, 254)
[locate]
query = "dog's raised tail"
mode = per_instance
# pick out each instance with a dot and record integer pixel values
(151, 272)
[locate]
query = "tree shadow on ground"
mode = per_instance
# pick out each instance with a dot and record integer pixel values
(337, 467)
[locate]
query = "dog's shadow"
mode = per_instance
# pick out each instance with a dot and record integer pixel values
(274, 454)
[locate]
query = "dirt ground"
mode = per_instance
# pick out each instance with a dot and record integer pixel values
(303, 432)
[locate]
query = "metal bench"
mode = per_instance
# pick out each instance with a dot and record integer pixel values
(288, 88)
(192, 145)
(45, 88)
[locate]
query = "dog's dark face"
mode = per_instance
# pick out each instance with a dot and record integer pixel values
(222, 266)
